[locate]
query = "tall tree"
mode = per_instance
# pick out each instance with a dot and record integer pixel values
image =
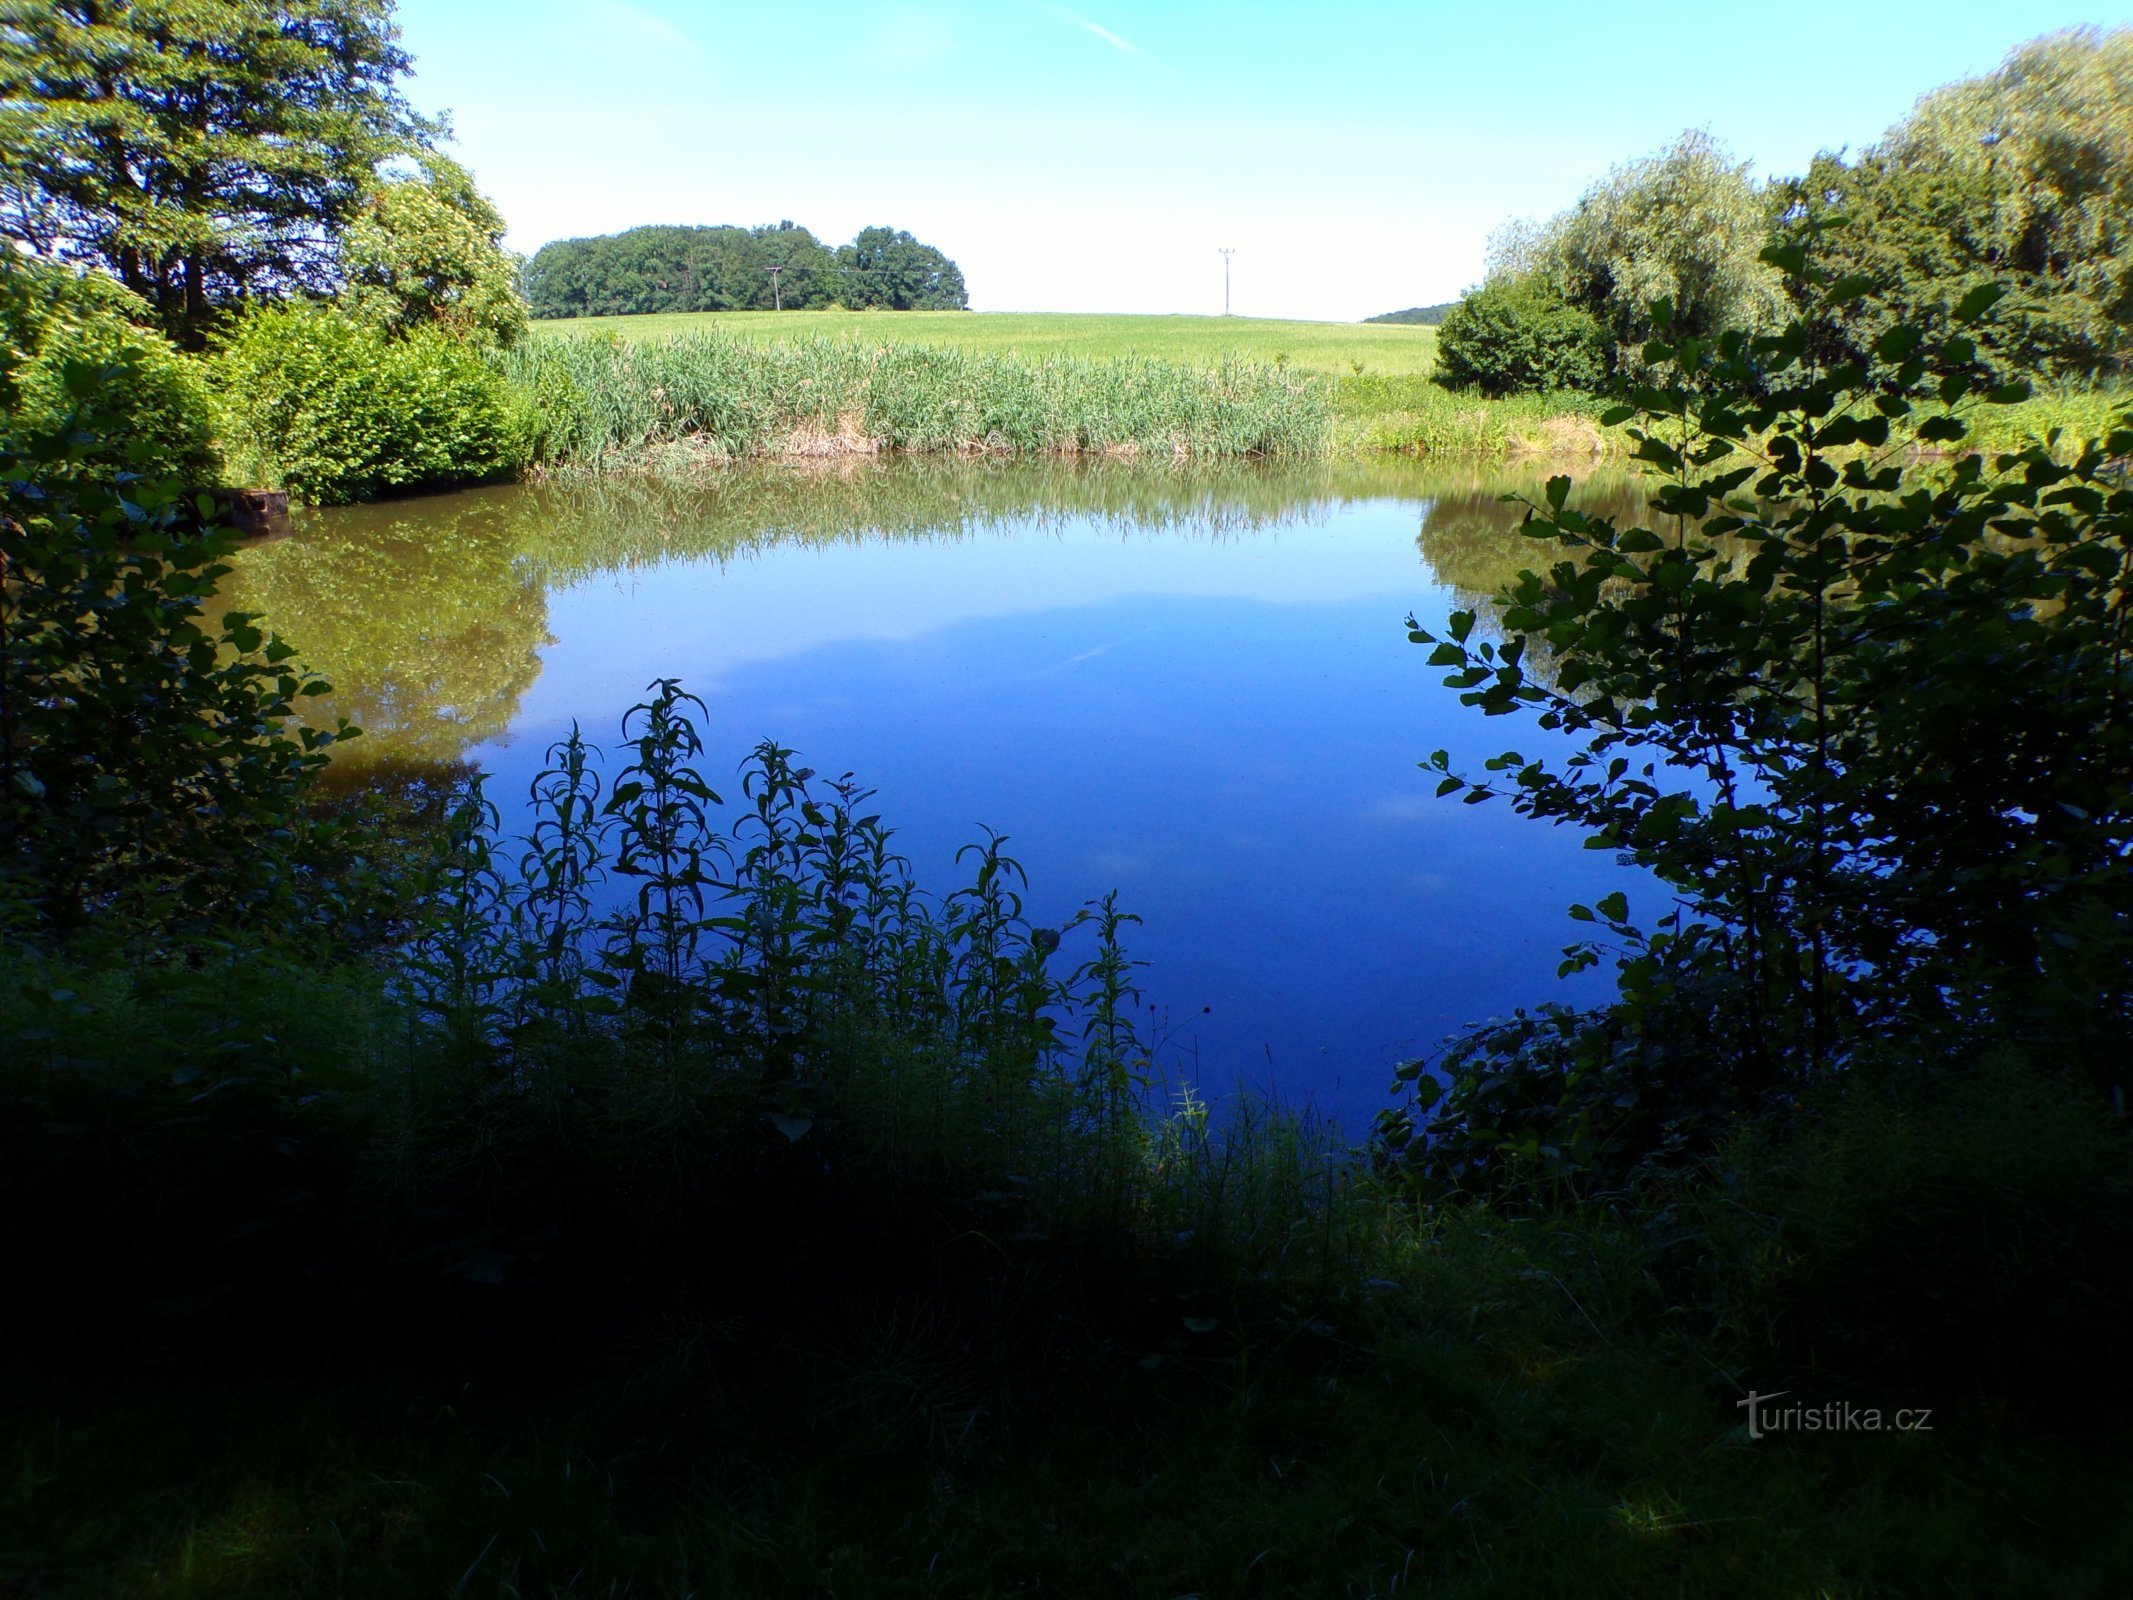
(2025, 177)
(1687, 225)
(808, 278)
(728, 269)
(200, 150)
(889, 268)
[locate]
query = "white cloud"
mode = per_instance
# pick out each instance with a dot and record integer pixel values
(1125, 46)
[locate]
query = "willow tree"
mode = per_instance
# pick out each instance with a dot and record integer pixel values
(1686, 226)
(2024, 177)
(199, 150)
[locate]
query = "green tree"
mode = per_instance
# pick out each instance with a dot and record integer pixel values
(428, 251)
(2024, 176)
(200, 152)
(888, 268)
(808, 276)
(666, 269)
(1686, 226)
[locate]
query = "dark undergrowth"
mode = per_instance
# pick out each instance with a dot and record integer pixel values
(324, 1305)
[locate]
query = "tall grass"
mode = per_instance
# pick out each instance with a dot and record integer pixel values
(604, 402)
(2067, 419)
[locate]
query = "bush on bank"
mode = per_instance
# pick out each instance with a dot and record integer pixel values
(1515, 335)
(332, 408)
(53, 320)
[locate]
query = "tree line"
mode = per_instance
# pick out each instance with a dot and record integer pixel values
(655, 269)
(2022, 177)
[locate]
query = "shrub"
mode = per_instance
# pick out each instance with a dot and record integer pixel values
(428, 251)
(156, 419)
(333, 409)
(1514, 335)
(143, 752)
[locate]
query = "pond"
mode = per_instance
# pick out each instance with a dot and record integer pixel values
(1191, 685)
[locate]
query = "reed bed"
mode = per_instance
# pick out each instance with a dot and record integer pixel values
(606, 403)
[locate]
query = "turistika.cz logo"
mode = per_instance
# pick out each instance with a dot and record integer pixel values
(1835, 1416)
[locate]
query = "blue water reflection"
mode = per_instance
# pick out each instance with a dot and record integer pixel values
(1224, 726)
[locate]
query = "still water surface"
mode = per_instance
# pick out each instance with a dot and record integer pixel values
(1193, 686)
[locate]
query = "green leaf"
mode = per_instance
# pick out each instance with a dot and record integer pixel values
(1899, 343)
(1973, 306)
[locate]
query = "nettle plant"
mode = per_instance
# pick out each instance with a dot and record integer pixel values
(1857, 699)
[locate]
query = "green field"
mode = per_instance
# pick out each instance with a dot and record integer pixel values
(1344, 349)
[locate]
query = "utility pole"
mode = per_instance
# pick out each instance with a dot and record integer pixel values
(777, 298)
(1227, 252)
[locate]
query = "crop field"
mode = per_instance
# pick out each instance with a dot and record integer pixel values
(1340, 349)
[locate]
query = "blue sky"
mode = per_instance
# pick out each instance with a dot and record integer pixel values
(1094, 157)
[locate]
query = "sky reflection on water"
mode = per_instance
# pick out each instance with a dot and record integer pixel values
(1206, 700)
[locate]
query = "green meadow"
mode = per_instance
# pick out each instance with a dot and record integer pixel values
(1345, 349)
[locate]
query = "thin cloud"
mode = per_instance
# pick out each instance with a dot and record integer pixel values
(1124, 46)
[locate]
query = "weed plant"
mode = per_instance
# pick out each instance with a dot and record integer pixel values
(650, 1016)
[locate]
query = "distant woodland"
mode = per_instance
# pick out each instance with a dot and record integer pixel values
(739, 269)
(1418, 316)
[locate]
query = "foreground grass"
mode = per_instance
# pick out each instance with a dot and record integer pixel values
(1506, 1421)
(1331, 348)
(894, 1356)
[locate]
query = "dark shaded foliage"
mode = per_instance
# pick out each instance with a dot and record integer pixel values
(148, 771)
(1866, 719)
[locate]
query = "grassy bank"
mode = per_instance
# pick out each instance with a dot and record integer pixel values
(714, 396)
